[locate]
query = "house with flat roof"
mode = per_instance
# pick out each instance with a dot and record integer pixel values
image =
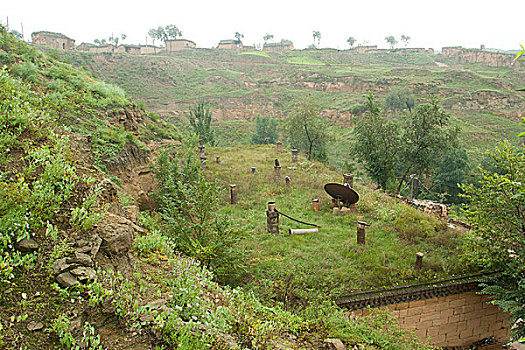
(54, 40)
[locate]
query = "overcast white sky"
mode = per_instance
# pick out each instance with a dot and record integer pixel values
(497, 24)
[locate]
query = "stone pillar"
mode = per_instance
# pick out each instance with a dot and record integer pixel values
(218, 160)
(315, 204)
(201, 146)
(203, 161)
(361, 225)
(295, 152)
(233, 194)
(419, 261)
(272, 219)
(277, 172)
(348, 180)
(287, 181)
(253, 170)
(279, 147)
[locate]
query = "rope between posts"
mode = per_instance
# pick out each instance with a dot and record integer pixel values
(299, 221)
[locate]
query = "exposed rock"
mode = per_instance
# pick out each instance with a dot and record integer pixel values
(80, 259)
(27, 245)
(66, 280)
(96, 246)
(108, 192)
(61, 266)
(146, 318)
(156, 304)
(35, 326)
(131, 212)
(84, 273)
(116, 233)
(333, 344)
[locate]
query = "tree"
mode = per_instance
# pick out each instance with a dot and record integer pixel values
(426, 138)
(100, 41)
(200, 120)
(265, 131)
(153, 35)
(172, 32)
(496, 210)
(305, 128)
(238, 37)
(16, 34)
(391, 41)
(451, 171)
(399, 99)
(351, 41)
(405, 39)
(267, 37)
(377, 143)
(317, 37)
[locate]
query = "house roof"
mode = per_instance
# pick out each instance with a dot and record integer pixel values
(228, 41)
(52, 34)
(185, 40)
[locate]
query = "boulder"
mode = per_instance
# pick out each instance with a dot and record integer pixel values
(27, 245)
(35, 326)
(61, 266)
(116, 233)
(131, 212)
(333, 344)
(66, 280)
(83, 273)
(80, 259)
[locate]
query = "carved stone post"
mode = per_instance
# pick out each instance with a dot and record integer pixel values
(348, 180)
(272, 219)
(419, 261)
(253, 170)
(233, 194)
(295, 152)
(287, 181)
(218, 160)
(203, 161)
(201, 146)
(315, 204)
(279, 147)
(277, 173)
(361, 225)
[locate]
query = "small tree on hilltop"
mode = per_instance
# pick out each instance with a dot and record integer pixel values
(305, 128)
(351, 41)
(405, 39)
(391, 41)
(267, 37)
(172, 32)
(238, 37)
(200, 120)
(317, 37)
(265, 131)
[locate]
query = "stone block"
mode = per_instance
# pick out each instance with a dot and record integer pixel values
(411, 321)
(445, 314)
(453, 319)
(448, 328)
(462, 326)
(466, 333)
(415, 311)
(430, 316)
(416, 303)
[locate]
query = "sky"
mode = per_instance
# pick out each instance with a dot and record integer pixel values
(430, 24)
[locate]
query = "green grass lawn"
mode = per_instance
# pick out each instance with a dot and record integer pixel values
(327, 263)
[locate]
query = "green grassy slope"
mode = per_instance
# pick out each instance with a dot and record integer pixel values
(296, 270)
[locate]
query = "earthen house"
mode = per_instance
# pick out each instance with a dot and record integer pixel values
(284, 45)
(130, 49)
(54, 40)
(230, 44)
(149, 50)
(85, 46)
(179, 45)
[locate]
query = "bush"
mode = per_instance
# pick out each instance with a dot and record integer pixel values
(265, 131)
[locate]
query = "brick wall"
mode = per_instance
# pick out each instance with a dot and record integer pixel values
(455, 320)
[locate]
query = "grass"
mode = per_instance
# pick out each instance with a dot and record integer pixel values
(327, 263)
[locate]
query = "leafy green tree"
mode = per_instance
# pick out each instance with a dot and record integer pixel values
(172, 32)
(377, 143)
(405, 39)
(391, 41)
(451, 171)
(200, 120)
(265, 131)
(267, 37)
(16, 34)
(305, 128)
(351, 41)
(189, 205)
(100, 41)
(238, 37)
(496, 210)
(426, 138)
(400, 99)
(317, 37)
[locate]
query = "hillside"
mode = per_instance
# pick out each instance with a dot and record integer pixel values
(83, 266)
(240, 85)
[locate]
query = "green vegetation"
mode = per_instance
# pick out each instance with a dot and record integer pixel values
(265, 131)
(495, 208)
(200, 121)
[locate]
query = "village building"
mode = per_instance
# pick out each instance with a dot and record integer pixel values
(149, 50)
(54, 40)
(85, 46)
(363, 49)
(230, 44)
(179, 45)
(284, 45)
(101, 48)
(129, 49)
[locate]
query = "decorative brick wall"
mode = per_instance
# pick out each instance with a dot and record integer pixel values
(454, 320)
